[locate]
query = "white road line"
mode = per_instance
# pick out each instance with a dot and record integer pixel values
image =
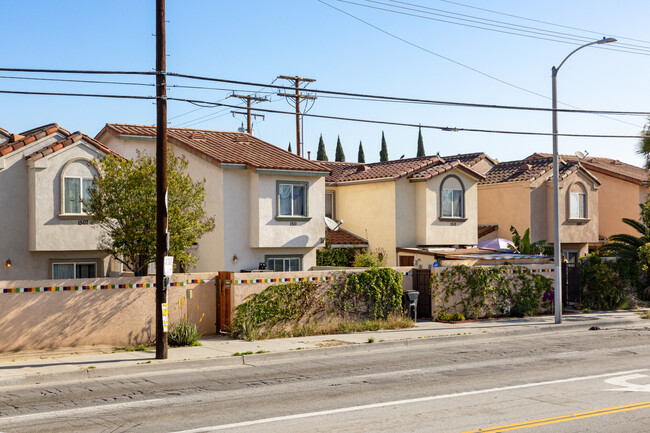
(78, 411)
(398, 402)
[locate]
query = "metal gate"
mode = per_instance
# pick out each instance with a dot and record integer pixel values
(421, 283)
(571, 283)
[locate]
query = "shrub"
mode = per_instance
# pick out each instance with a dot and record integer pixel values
(329, 256)
(376, 293)
(184, 333)
(601, 285)
(369, 258)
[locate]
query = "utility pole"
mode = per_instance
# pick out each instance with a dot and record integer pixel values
(162, 239)
(249, 115)
(297, 96)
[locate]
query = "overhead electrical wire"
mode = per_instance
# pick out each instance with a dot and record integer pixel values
(371, 97)
(321, 116)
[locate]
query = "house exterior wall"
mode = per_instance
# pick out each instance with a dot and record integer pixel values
(34, 235)
(618, 199)
(444, 231)
(505, 204)
(407, 215)
(369, 210)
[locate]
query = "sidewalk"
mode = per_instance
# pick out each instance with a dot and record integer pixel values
(25, 368)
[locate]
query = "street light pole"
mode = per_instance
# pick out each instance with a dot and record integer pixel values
(556, 184)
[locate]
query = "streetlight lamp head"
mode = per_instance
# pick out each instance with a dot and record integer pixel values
(606, 40)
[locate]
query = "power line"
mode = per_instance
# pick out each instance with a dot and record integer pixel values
(416, 125)
(540, 21)
(77, 81)
(88, 95)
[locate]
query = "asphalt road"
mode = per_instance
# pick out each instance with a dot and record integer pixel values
(578, 381)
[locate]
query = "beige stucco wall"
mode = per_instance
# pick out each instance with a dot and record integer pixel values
(33, 234)
(505, 204)
(618, 199)
(573, 232)
(447, 232)
(368, 210)
(120, 317)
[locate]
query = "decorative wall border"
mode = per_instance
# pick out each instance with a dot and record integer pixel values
(99, 287)
(504, 271)
(295, 280)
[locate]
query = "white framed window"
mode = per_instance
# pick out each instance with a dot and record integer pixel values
(578, 202)
(75, 190)
(283, 263)
(67, 270)
(452, 198)
(329, 204)
(292, 199)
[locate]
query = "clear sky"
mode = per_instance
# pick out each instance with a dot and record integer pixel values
(409, 52)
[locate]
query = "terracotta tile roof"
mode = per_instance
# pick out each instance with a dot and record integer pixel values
(528, 170)
(443, 168)
(378, 170)
(4, 133)
(222, 147)
(71, 139)
(342, 237)
(17, 141)
(418, 169)
(612, 167)
(469, 159)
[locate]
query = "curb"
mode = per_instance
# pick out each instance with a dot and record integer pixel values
(156, 367)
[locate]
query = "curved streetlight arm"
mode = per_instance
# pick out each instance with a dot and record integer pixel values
(557, 244)
(598, 42)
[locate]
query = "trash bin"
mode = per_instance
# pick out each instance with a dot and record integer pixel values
(410, 301)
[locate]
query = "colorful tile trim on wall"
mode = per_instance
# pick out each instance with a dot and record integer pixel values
(98, 287)
(294, 280)
(505, 271)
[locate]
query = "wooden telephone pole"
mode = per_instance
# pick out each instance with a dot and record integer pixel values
(249, 115)
(297, 96)
(161, 179)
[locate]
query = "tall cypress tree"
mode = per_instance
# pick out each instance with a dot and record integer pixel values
(289, 149)
(420, 143)
(340, 156)
(383, 154)
(361, 157)
(321, 155)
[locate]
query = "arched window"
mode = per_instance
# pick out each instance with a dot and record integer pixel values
(76, 180)
(452, 197)
(578, 201)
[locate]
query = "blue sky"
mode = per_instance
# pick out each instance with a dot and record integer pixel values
(257, 40)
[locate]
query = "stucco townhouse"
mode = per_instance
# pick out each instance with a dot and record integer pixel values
(623, 188)
(268, 203)
(520, 194)
(406, 207)
(44, 173)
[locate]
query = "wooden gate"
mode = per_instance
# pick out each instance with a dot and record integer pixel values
(421, 283)
(224, 301)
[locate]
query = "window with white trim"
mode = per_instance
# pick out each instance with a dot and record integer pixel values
(67, 270)
(292, 199)
(329, 204)
(452, 198)
(284, 263)
(75, 190)
(578, 202)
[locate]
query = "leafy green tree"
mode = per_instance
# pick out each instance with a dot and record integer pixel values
(524, 246)
(361, 157)
(122, 201)
(289, 148)
(420, 143)
(383, 154)
(340, 156)
(321, 155)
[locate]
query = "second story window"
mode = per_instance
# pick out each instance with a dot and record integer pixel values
(292, 199)
(452, 198)
(329, 204)
(578, 202)
(75, 189)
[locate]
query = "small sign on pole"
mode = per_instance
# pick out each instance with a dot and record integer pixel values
(165, 316)
(168, 269)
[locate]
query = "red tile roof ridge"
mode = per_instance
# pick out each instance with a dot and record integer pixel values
(222, 147)
(4, 132)
(64, 142)
(178, 129)
(17, 141)
(436, 170)
(608, 166)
